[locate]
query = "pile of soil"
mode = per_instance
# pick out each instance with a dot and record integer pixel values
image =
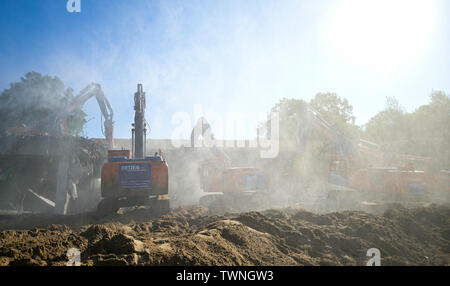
(196, 236)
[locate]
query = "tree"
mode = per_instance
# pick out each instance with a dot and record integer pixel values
(337, 112)
(430, 130)
(36, 99)
(388, 125)
(424, 132)
(289, 111)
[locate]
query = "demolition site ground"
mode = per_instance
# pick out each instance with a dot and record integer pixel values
(198, 236)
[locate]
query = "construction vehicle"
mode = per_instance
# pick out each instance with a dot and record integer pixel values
(363, 166)
(227, 187)
(130, 178)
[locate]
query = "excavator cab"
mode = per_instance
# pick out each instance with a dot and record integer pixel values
(241, 188)
(217, 176)
(226, 186)
(338, 172)
(210, 171)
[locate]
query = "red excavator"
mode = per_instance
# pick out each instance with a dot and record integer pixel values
(133, 178)
(227, 187)
(363, 166)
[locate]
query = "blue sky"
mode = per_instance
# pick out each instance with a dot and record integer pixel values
(230, 56)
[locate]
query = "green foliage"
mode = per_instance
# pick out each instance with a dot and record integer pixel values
(289, 111)
(34, 101)
(424, 132)
(76, 120)
(385, 126)
(337, 112)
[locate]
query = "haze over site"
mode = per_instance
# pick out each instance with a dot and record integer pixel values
(230, 56)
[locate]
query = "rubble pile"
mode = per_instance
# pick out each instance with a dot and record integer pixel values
(31, 163)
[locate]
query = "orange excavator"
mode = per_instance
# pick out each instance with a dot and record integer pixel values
(363, 166)
(227, 187)
(131, 178)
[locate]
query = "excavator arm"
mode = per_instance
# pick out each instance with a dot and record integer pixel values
(57, 125)
(107, 112)
(93, 89)
(311, 119)
(204, 129)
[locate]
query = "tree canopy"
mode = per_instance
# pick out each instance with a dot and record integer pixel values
(335, 110)
(385, 126)
(34, 101)
(289, 111)
(423, 132)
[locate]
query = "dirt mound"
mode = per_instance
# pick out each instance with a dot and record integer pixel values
(195, 236)
(38, 246)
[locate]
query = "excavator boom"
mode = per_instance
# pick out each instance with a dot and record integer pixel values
(57, 125)
(203, 128)
(92, 90)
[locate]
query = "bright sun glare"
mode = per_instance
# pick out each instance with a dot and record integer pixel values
(381, 35)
